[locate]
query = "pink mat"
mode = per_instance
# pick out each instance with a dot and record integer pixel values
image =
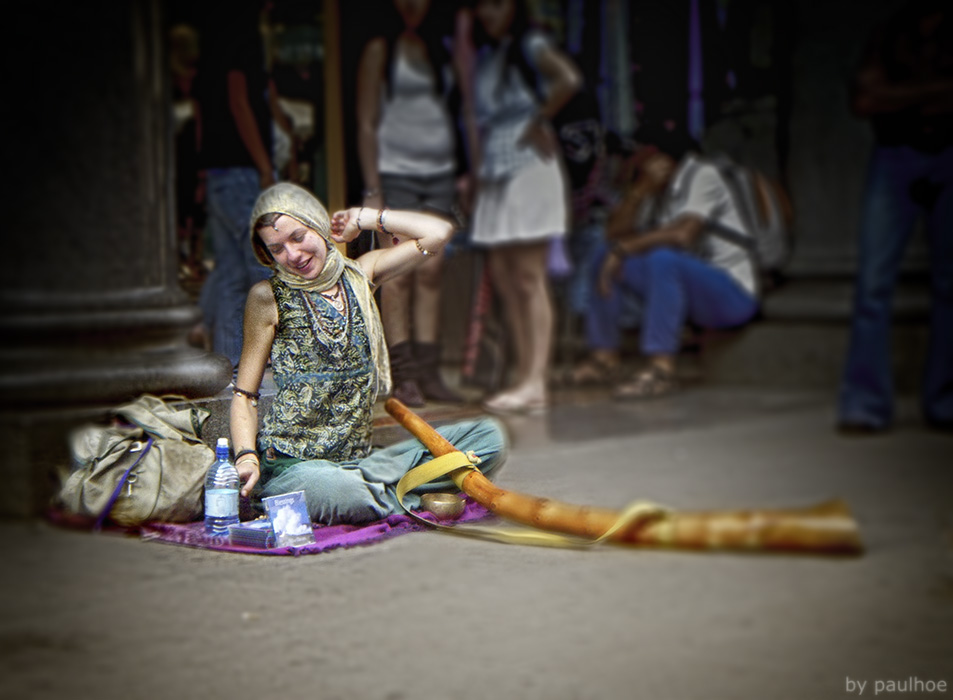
(326, 537)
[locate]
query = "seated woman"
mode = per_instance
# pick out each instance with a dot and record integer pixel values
(317, 320)
(681, 268)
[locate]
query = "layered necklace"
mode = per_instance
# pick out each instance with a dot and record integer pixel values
(335, 297)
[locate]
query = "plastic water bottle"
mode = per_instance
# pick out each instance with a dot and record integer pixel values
(221, 492)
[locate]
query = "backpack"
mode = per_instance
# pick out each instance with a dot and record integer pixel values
(766, 212)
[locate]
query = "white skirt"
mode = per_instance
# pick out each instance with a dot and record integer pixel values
(531, 206)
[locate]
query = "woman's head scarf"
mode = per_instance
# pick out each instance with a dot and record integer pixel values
(298, 203)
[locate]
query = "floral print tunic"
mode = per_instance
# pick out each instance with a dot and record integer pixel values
(323, 370)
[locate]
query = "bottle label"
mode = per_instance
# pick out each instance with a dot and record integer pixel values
(221, 503)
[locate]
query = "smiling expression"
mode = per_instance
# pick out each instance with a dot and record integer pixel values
(295, 247)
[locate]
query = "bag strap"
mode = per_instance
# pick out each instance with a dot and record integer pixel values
(732, 235)
(745, 241)
(122, 482)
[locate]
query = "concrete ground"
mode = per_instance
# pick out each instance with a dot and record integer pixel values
(430, 616)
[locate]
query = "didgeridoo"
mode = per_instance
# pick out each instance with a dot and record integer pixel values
(827, 528)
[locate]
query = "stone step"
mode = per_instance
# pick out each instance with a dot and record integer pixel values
(801, 339)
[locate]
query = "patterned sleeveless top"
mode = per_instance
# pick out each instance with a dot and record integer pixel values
(322, 366)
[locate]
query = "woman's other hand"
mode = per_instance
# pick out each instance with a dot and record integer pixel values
(539, 135)
(344, 227)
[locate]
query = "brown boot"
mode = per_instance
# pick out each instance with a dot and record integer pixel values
(428, 374)
(403, 370)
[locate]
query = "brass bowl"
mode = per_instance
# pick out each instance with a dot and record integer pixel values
(446, 506)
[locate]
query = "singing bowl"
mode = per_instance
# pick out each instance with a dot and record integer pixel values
(446, 506)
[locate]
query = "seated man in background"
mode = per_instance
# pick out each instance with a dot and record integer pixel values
(668, 245)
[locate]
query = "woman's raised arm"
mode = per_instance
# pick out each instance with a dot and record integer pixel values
(417, 236)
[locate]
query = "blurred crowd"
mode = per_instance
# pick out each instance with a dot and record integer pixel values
(578, 231)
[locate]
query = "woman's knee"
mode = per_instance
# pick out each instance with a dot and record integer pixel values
(662, 258)
(334, 494)
(429, 276)
(485, 437)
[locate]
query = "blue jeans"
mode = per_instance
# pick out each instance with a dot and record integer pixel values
(674, 287)
(902, 184)
(364, 490)
(231, 195)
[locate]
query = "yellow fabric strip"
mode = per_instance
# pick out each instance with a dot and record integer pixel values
(449, 463)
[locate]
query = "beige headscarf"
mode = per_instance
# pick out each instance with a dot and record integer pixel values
(301, 205)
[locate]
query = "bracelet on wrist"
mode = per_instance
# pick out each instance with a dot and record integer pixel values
(246, 452)
(380, 222)
(248, 459)
(371, 191)
(253, 396)
(423, 251)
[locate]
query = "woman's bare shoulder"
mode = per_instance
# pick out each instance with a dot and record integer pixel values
(375, 50)
(261, 304)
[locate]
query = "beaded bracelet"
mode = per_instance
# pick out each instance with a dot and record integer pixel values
(380, 222)
(423, 250)
(251, 395)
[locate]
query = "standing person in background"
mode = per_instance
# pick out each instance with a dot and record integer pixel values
(237, 101)
(905, 87)
(522, 196)
(407, 147)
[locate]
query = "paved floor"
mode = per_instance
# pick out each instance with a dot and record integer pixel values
(430, 616)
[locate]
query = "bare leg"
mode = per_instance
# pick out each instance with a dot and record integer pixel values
(396, 319)
(428, 280)
(528, 306)
(502, 274)
(395, 303)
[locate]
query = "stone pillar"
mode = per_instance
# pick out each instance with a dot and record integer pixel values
(91, 311)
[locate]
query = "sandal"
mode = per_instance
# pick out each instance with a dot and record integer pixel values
(651, 382)
(593, 372)
(510, 405)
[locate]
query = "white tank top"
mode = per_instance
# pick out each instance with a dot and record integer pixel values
(415, 135)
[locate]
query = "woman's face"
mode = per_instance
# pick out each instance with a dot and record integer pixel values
(412, 11)
(295, 247)
(496, 16)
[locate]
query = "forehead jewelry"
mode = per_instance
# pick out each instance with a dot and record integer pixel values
(275, 225)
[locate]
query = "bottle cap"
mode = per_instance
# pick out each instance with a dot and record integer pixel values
(222, 442)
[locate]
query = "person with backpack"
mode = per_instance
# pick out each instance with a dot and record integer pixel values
(522, 198)
(667, 246)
